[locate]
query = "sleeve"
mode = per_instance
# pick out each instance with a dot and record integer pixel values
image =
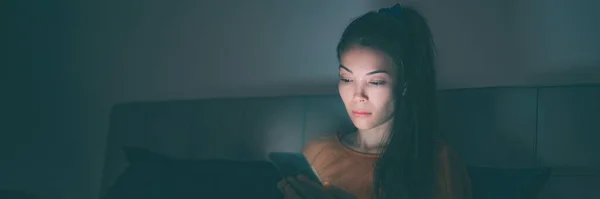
(454, 179)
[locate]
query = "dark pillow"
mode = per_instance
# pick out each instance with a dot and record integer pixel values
(14, 194)
(507, 183)
(155, 176)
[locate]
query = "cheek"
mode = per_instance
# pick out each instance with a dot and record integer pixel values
(383, 99)
(345, 91)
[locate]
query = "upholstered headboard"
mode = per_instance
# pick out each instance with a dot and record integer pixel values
(503, 127)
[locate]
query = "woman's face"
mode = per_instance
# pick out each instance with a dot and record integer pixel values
(367, 86)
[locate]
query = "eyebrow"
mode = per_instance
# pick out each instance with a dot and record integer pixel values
(370, 73)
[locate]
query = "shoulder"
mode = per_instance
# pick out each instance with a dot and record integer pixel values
(449, 161)
(453, 176)
(445, 152)
(316, 146)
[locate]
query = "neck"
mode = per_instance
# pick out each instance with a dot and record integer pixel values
(372, 140)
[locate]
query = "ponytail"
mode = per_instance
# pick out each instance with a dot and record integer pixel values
(406, 167)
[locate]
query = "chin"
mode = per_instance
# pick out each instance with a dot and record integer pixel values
(363, 125)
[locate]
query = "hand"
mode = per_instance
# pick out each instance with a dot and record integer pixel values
(301, 187)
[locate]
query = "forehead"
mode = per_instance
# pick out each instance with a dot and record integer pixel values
(364, 60)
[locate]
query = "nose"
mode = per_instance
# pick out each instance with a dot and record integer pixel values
(359, 94)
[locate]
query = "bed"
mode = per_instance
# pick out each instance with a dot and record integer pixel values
(554, 127)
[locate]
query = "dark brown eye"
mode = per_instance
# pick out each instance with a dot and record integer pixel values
(344, 80)
(378, 83)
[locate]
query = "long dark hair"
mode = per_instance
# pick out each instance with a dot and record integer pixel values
(406, 167)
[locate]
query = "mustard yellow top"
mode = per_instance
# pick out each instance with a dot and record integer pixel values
(353, 171)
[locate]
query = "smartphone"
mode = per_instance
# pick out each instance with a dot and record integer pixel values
(292, 164)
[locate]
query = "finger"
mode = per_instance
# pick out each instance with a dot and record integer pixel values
(289, 192)
(280, 184)
(301, 187)
(323, 187)
(286, 189)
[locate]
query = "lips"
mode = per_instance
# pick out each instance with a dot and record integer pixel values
(361, 113)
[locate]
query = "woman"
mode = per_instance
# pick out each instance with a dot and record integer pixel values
(387, 84)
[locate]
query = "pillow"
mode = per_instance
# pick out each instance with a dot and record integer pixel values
(507, 183)
(14, 194)
(155, 176)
